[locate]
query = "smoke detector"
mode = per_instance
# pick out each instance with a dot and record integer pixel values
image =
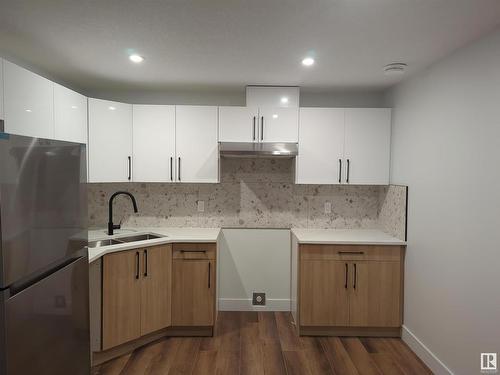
(395, 69)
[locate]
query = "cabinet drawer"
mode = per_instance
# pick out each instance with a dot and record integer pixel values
(194, 251)
(351, 252)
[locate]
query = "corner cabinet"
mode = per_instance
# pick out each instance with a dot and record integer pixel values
(136, 294)
(344, 146)
(350, 290)
(110, 141)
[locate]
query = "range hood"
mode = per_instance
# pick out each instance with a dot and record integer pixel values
(258, 150)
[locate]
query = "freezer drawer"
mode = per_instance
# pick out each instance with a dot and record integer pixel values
(46, 326)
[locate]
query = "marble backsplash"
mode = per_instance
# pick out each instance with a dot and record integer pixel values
(253, 193)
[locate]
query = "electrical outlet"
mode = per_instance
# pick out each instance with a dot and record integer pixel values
(328, 207)
(259, 299)
(201, 206)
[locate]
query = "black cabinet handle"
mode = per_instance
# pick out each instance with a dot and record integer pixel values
(340, 171)
(346, 275)
(209, 273)
(348, 168)
(179, 169)
(351, 252)
(129, 167)
(355, 276)
(146, 263)
(171, 168)
(193, 251)
(253, 132)
(262, 128)
(137, 265)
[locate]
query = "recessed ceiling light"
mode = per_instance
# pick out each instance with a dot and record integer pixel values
(136, 58)
(284, 99)
(395, 69)
(111, 108)
(308, 61)
(275, 116)
(74, 107)
(28, 110)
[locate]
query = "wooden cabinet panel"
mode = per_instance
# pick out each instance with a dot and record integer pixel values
(156, 288)
(351, 252)
(375, 294)
(194, 251)
(323, 293)
(121, 288)
(193, 292)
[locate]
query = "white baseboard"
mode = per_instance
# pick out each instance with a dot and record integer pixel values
(244, 304)
(424, 353)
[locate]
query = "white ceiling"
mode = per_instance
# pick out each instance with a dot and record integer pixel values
(226, 44)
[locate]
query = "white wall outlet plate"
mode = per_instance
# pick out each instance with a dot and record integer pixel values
(201, 206)
(328, 207)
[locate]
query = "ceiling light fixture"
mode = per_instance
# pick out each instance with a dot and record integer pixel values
(136, 58)
(74, 107)
(284, 99)
(111, 108)
(28, 110)
(395, 69)
(308, 61)
(275, 116)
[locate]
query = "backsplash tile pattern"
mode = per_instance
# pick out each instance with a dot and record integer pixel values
(253, 193)
(392, 210)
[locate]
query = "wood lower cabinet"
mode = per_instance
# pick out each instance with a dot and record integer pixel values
(193, 285)
(350, 290)
(136, 294)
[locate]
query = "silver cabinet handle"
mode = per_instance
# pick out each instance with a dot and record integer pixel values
(253, 131)
(179, 169)
(171, 169)
(340, 171)
(262, 128)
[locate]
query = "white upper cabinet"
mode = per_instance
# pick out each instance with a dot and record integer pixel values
(367, 145)
(321, 146)
(28, 102)
(110, 141)
(70, 115)
(1, 91)
(238, 124)
(154, 143)
(197, 152)
(277, 124)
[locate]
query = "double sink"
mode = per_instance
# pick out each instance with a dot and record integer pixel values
(122, 240)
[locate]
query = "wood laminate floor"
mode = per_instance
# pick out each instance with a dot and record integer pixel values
(266, 343)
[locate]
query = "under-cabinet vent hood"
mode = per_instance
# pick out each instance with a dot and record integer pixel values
(258, 150)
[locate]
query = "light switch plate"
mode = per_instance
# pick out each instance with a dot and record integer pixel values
(328, 207)
(201, 206)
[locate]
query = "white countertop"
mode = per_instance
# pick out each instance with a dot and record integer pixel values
(170, 235)
(345, 237)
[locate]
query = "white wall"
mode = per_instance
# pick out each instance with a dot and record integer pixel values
(254, 260)
(446, 147)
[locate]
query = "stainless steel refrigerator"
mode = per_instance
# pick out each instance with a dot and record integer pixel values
(44, 312)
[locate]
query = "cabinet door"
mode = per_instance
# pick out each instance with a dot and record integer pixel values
(154, 143)
(375, 294)
(238, 124)
(367, 145)
(321, 146)
(193, 292)
(29, 103)
(121, 298)
(70, 115)
(323, 293)
(278, 124)
(110, 141)
(156, 288)
(196, 144)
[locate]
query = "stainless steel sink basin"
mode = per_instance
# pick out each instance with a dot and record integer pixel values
(138, 237)
(103, 243)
